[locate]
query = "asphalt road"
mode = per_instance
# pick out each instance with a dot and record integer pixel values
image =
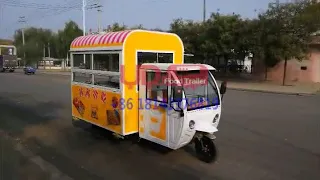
(261, 136)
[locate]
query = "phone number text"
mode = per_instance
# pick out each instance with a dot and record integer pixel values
(152, 104)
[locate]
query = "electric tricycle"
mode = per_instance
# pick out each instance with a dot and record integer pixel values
(135, 83)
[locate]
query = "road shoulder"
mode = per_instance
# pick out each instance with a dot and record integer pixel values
(303, 89)
(265, 87)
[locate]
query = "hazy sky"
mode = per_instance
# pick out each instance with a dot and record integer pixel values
(150, 13)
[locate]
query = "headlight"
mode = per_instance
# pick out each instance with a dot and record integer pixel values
(191, 124)
(216, 117)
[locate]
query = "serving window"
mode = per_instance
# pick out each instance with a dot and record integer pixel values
(154, 57)
(106, 62)
(82, 77)
(82, 61)
(105, 80)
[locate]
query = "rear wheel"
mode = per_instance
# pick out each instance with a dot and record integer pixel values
(205, 149)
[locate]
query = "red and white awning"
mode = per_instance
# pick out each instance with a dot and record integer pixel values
(100, 40)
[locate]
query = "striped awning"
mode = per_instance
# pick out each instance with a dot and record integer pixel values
(100, 40)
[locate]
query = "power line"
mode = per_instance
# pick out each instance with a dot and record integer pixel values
(97, 6)
(72, 5)
(13, 3)
(52, 9)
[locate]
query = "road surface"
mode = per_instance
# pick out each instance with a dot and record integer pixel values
(261, 136)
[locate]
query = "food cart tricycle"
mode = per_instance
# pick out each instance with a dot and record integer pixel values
(135, 82)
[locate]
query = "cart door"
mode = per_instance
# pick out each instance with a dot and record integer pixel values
(153, 104)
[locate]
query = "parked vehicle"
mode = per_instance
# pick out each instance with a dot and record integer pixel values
(8, 63)
(29, 70)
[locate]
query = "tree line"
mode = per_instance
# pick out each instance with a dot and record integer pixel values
(282, 32)
(41, 42)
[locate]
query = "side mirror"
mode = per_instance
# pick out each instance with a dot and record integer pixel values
(223, 87)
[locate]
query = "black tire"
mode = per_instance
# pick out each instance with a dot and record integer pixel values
(205, 149)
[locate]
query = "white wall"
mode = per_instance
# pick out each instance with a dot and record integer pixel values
(247, 64)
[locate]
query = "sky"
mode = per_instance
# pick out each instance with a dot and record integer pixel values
(149, 13)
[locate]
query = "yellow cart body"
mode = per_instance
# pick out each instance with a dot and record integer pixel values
(96, 97)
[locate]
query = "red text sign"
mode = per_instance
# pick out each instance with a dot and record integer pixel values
(184, 78)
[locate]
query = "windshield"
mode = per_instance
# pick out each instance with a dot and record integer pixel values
(199, 88)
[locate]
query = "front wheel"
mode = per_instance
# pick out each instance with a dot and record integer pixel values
(205, 149)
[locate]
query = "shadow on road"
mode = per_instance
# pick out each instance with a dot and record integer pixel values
(25, 114)
(101, 134)
(86, 153)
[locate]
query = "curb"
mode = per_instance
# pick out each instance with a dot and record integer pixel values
(274, 92)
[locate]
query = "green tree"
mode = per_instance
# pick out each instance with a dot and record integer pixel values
(192, 34)
(35, 41)
(116, 27)
(140, 26)
(32, 52)
(63, 39)
(286, 31)
(224, 37)
(282, 32)
(157, 29)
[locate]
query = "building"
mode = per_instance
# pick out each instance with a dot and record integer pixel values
(6, 42)
(7, 47)
(305, 71)
(53, 63)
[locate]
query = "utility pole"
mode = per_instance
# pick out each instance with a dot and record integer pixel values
(99, 19)
(67, 63)
(204, 10)
(84, 4)
(23, 21)
(44, 51)
(99, 16)
(98, 7)
(49, 50)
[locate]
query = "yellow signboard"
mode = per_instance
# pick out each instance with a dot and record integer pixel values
(97, 106)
